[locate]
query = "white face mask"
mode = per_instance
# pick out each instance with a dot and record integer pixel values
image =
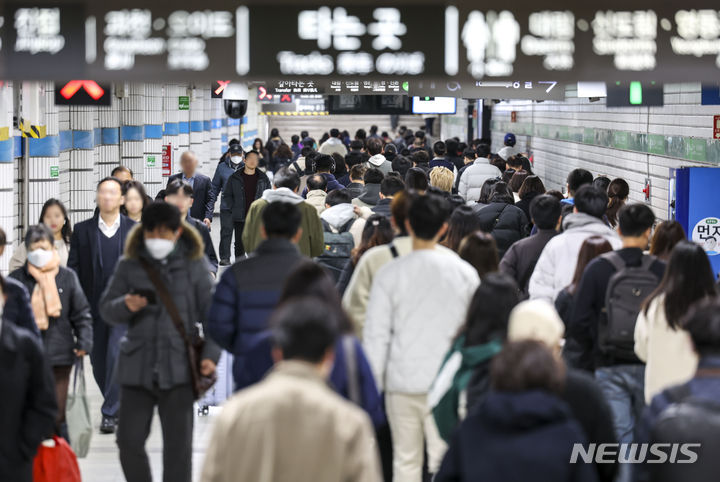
(235, 160)
(159, 248)
(39, 257)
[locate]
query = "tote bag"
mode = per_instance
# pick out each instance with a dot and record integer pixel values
(77, 414)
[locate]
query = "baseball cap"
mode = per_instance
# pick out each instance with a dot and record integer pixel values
(510, 139)
(236, 149)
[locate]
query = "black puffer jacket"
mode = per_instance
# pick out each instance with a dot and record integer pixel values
(73, 328)
(506, 223)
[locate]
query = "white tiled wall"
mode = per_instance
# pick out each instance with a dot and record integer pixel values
(682, 115)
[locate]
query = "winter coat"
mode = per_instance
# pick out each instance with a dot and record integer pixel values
(474, 176)
(564, 304)
(153, 353)
(520, 259)
(223, 171)
(244, 298)
(71, 330)
(276, 163)
(442, 162)
(332, 183)
(355, 189)
(332, 146)
(402, 337)
(369, 197)
(282, 427)
(234, 193)
(379, 161)
(668, 353)
(17, 308)
(507, 152)
(316, 198)
(516, 437)
(28, 407)
(505, 222)
(383, 208)
(311, 240)
(556, 266)
(19, 256)
(524, 203)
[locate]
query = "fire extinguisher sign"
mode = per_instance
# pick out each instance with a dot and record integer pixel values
(167, 160)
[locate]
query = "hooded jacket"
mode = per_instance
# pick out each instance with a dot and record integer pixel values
(369, 197)
(379, 161)
(474, 176)
(536, 427)
(153, 352)
(311, 240)
(355, 189)
(316, 198)
(234, 193)
(223, 171)
(556, 265)
(331, 146)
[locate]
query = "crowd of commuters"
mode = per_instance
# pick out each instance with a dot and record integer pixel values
(397, 309)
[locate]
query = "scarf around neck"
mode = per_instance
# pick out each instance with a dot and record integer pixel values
(45, 299)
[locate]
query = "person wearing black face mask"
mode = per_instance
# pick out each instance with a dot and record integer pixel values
(226, 168)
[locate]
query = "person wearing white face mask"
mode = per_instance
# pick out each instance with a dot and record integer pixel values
(227, 166)
(54, 216)
(62, 313)
(163, 271)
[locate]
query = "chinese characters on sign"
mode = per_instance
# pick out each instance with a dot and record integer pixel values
(38, 30)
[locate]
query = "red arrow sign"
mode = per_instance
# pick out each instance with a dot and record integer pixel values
(222, 84)
(285, 98)
(90, 86)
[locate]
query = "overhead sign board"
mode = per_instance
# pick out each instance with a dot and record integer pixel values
(532, 41)
(489, 89)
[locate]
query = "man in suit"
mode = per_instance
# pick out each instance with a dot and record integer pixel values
(203, 193)
(180, 194)
(96, 246)
(29, 406)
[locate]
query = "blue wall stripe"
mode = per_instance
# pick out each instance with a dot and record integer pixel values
(65, 140)
(216, 123)
(153, 131)
(110, 135)
(6, 150)
(184, 127)
(224, 121)
(171, 129)
(223, 138)
(131, 133)
(196, 126)
(45, 147)
(17, 146)
(233, 122)
(206, 125)
(97, 136)
(83, 139)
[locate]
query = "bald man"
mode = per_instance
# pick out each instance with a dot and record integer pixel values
(204, 196)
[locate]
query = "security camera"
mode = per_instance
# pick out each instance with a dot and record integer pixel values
(235, 99)
(235, 109)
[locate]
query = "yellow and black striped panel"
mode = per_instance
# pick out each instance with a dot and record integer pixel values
(29, 130)
(285, 113)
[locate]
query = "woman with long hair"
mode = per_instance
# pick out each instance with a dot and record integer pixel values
(591, 248)
(264, 154)
(377, 231)
(282, 157)
(618, 192)
(462, 222)
(53, 215)
(531, 187)
(479, 249)
(135, 200)
(667, 234)
(660, 342)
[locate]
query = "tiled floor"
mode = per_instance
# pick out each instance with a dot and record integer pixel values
(102, 463)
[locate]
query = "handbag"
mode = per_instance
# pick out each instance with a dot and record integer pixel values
(55, 462)
(193, 346)
(77, 413)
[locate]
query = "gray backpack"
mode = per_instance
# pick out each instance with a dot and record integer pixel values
(627, 290)
(338, 248)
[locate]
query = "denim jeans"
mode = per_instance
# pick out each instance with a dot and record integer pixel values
(624, 389)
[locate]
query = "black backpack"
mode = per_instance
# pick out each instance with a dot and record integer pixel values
(689, 420)
(627, 289)
(337, 250)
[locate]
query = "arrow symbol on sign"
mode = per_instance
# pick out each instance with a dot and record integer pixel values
(90, 86)
(552, 84)
(222, 84)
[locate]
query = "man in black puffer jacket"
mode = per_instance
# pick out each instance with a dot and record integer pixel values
(504, 221)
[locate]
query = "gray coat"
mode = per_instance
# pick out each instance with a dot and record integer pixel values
(153, 350)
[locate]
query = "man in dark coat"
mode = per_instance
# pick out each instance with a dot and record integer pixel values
(389, 186)
(29, 408)
(229, 163)
(248, 291)
(180, 194)
(95, 248)
(204, 194)
(243, 187)
(519, 261)
(153, 369)
(504, 221)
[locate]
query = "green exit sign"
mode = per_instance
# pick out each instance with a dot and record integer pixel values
(183, 102)
(54, 171)
(636, 93)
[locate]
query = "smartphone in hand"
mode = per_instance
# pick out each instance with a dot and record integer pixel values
(147, 293)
